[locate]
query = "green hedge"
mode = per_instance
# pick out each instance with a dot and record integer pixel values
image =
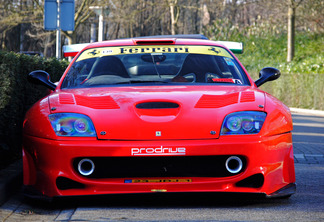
(17, 95)
(302, 81)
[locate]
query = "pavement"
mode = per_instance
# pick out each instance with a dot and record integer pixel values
(11, 178)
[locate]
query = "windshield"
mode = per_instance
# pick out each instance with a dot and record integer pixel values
(150, 65)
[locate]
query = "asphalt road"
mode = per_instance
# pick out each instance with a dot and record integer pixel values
(306, 205)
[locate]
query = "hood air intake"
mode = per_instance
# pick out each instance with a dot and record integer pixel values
(157, 105)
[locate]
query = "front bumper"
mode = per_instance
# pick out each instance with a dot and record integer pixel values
(50, 169)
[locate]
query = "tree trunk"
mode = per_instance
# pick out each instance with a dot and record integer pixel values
(291, 33)
(172, 19)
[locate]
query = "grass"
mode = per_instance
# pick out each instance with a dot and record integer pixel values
(298, 90)
(261, 52)
(302, 81)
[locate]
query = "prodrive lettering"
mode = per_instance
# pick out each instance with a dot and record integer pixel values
(158, 151)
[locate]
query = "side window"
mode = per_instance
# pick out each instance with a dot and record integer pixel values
(78, 73)
(230, 69)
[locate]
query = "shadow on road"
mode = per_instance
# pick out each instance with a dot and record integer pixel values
(160, 200)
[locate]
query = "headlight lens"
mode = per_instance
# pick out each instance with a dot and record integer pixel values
(72, 124)
(246, 122)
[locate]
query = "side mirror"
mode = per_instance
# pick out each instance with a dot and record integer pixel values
(267, 74)
(42, 78)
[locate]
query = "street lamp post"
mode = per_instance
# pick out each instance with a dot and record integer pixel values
(101, 12)
(58, 31)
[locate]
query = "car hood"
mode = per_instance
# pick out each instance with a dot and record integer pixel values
(157, 112)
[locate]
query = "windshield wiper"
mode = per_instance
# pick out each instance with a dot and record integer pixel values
(157, 72)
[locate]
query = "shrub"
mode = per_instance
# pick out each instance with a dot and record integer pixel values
(17, 95)
(302, 81)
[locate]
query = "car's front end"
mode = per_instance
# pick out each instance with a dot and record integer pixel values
(158, 128)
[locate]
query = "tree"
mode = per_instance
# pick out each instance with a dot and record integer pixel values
(21, 21)
(292, 6)
(13, 14)
(174, 13)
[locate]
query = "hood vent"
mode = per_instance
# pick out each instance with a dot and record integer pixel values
(247, 97)
(66, 98)
(157, 105)
(217, 101)
(96, 102)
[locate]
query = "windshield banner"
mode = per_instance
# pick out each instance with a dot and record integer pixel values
(127, 50)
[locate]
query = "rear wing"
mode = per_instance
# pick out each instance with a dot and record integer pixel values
(74, 49)
(235, 47)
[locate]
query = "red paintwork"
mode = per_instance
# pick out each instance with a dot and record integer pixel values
(201, 109)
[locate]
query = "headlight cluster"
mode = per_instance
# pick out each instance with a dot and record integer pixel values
(246, 122)
(72, 124)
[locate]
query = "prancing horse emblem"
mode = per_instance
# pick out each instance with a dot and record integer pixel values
(94, 52)
(214, 50)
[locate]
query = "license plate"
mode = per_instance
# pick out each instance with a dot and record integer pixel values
(160, 181)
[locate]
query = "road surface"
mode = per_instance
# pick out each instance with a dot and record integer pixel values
(306, 205)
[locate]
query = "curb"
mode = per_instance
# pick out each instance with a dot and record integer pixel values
(10, 180)
(307, 111)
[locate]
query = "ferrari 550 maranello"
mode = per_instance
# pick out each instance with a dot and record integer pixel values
(157, 114)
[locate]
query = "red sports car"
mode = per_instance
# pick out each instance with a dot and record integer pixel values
(158, 114)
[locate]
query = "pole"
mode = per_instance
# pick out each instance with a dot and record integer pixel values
(101, 26)
(93, 31)
(101, 12)
(58, 31)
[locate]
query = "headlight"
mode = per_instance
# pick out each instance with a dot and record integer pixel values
(72, 124)
(246, 122)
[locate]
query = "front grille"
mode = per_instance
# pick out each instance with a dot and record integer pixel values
(64, 183)
(169, 166)
(254, 181)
